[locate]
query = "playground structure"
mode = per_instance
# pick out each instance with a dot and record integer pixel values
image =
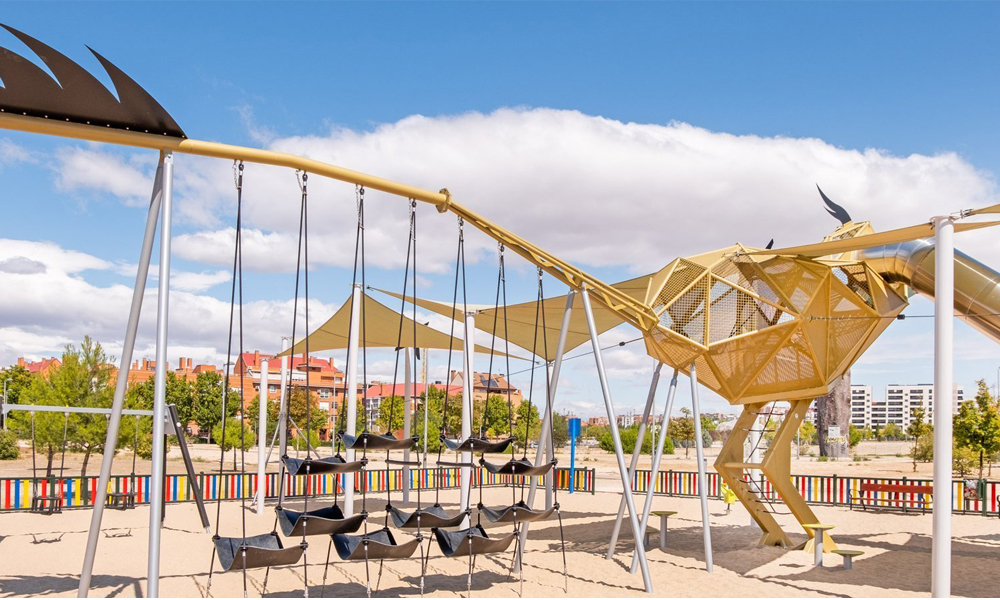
(755, 325)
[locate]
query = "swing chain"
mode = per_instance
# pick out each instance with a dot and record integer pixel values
(302, 177)
(359, 200)
(238, 174)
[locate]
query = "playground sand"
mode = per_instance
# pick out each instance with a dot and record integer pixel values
(41, 556)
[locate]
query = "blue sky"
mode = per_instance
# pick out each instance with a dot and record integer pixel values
(914, 80)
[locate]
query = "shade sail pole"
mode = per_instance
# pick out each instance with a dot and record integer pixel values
(407, 418)
(262, 404)
(156, 482)
(944, 322)
(706, 525)
(351, 393)
(283, 414)
(469, 348)
(616, 438)
(655, 469)
(636, 452)
(128, 346)
(544, 434)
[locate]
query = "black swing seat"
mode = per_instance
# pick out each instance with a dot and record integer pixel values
(472, 541)
(431, 517)
(377, 441)
(121, 500)
(261, 551)
(519, 512)
(477, 444)
(519, 466)
(316, 466)
(322, 521)
(380, 546)
(46, 505)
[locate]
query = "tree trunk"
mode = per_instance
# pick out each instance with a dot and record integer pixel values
(981, 458)
(834, 409)
(86, 459)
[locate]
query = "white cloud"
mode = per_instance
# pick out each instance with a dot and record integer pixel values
(129, 178)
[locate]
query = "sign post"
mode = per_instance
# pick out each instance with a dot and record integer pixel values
(574, 432)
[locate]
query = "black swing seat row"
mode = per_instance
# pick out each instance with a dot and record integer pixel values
(377, 441)
(518, 466)
(259, 551)
(519, 512)
(430, 517)
(322, 521)
(472, 541)
(317, 466)
(121, 500)
(378, 545)
(477, 444)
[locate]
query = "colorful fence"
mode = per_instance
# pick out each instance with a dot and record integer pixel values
(828, 490)
(16, 493)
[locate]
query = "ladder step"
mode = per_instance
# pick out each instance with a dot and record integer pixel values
(741, 465)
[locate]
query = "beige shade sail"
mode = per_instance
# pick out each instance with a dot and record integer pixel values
(521, 319)
(381, 330)
(893, 236)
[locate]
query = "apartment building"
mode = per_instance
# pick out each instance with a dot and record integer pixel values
(896, 406)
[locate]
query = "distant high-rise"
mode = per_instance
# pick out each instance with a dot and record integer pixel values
(897, 406)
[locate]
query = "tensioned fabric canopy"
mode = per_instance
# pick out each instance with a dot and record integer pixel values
(380, 330)
(521, 319)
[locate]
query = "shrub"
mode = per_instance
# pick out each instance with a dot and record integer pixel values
(9, 450)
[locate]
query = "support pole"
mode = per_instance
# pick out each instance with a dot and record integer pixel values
(706, 525)
(616, 438)
(262, 437)
(351, 392)
(128, 346)
(543, 436)
(657, 456)
(407, 418)
(283, 413)
(160, 385)
(636, 453)
(467, 412)
(550, 444)
(944, 323)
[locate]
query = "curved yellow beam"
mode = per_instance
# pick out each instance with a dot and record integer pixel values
(631, 310)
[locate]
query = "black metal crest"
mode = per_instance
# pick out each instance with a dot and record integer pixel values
(836, 211)
(75, 95)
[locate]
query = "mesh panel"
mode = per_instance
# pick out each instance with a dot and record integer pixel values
(669, 351)
(790, 369)
(796, 281)
(686, 315)
(684, 273)
(744, 272)
(855, 278)
(737, 361)
(848, 323)
(734, 312)
(706, 376)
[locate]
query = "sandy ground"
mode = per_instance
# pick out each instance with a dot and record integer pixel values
(42, 555)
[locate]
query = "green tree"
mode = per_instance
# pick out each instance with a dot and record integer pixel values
(681, 430)
(528, 424)
(207, 405)
(18, 379)
(925, 448)
(496, 416)
(304, 411)
(234, 435)
(391, 412)
(854, 436)
(253, 415)
(917, 429)
(9, 450)
(807, 433)
(977, 425)
(963, 460)
(891, 431)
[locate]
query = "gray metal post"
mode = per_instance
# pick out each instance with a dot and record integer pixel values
(706, 526)
(467, 412)
(616, 438)
(550, 445)
(160, 385)
(636, 452)
(543, 436)
(944, 399)
(407, 418)
(657, 456)
(351, 393)
(283, 412)
(138, 290)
